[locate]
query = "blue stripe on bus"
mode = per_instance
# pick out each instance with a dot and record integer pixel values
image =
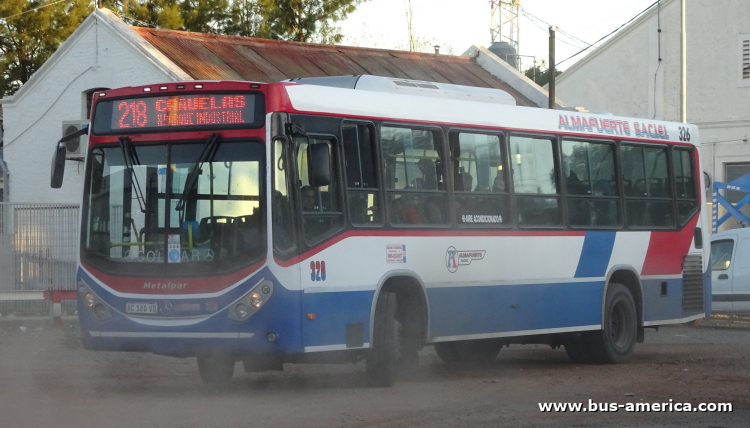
(508, 308)
(333, 311)
(597, 249)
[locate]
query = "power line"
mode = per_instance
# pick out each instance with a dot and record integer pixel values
(533, 19)
(613, 32)
(532, 16)
(36, 9)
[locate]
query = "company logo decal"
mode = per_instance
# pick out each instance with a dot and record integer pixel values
(455, 258)
(164, 285)
(395, 253)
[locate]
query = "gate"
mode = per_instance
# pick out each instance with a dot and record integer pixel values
(38, 247)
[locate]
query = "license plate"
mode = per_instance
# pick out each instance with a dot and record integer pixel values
(141, 308)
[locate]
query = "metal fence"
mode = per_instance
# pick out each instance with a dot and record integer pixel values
(38, 246)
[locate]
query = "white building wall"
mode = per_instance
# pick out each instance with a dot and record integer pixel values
(95, 57)
(625, 76)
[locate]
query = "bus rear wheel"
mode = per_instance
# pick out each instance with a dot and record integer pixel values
(216, 369)
(382, 358)
(615, 342)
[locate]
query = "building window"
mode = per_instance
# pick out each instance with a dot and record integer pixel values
(733, 171)
(744, 47)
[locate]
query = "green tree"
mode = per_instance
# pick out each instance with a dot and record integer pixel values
(246, 19)
(307, 20)
(205, 16)
(151, 13)
(31, 31)
(539, 73)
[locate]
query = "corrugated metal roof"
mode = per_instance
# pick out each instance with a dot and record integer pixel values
(216, 57)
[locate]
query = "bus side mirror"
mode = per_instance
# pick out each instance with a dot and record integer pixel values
(318, 165)
(58, 167)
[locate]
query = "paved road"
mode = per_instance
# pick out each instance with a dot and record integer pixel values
(47, 380)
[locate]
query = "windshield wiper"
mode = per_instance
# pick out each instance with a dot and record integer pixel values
(131, 159)
(209, 150)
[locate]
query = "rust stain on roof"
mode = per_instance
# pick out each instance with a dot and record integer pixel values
(218, 57)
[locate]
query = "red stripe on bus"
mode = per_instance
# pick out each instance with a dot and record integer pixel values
(422, 233)
(666, 250)
(193, 285)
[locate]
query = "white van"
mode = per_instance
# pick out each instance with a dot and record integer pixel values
(730, 266)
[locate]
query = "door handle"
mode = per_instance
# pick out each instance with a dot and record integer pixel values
(723, 276)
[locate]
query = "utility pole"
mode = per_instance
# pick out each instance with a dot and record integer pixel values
(552, 67)
(683, 65)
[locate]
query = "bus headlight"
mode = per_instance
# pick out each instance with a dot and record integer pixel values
(89, 300)
(251, 302)
(256, 300)
(94, 304)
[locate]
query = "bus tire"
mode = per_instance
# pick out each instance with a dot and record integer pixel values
(448, 352)
(615, 342)
(381, 360)
(216, 368)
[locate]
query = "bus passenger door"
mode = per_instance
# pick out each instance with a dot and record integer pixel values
(320, 217)
(722, 266)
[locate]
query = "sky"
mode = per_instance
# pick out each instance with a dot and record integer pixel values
(456, 25)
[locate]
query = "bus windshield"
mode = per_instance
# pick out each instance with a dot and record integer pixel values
(140, 210)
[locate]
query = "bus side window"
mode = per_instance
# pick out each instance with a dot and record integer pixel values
(322, 216)
(535, 181)
(648, 195)
(361, 178)
(683, 166)
(416, 190)
(283, 233)
(478, 170)
(588, 174)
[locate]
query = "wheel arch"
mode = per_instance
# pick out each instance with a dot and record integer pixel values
(408, 287)
(627, 276)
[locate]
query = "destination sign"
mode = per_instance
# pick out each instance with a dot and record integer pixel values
(194, 111)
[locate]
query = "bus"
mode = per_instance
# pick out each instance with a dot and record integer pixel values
(356, 218)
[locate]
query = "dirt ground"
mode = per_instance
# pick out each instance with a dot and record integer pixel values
(47, 380)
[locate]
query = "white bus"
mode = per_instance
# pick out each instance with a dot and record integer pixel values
(332, 219)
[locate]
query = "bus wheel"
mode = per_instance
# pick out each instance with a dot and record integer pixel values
(216, 369)
(614, 343)
(448, 352)
(381, 360)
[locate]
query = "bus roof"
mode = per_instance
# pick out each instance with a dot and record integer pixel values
(306, 98)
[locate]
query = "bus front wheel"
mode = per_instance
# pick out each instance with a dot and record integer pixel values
(381, 360)
(216, 369)
(615, 342)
